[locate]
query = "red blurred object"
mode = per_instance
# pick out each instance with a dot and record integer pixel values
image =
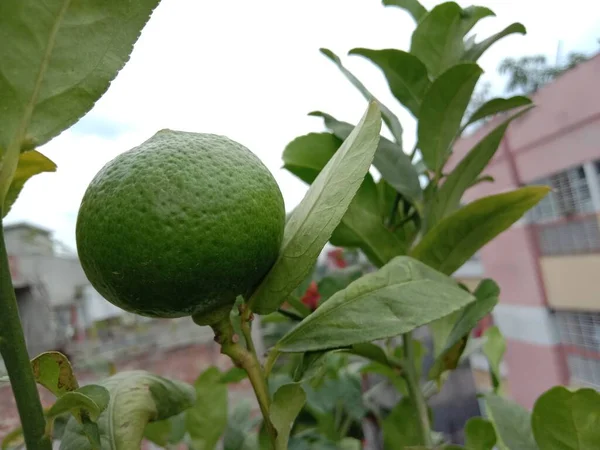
(483, 325)
(336, 256)
(311, 297)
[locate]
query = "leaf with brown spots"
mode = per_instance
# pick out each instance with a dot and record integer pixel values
(53, 371)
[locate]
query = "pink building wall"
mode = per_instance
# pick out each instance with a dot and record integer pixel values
(563, 130)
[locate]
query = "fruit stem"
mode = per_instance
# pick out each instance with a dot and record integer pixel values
(14, 352)
(414, 390)
(246, 317)
(247, 360)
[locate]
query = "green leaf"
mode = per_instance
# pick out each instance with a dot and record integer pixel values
(370, 351)
(416, 10)
(13, 440)
(166, 432)
(512, 423)
(401, 426)
(233, 375)
(497, 105)
(438, 38)
(486, 296)
(362, 226)
(399, 297)
(312, 222)
(565, 420)
(442, 111)
(393, 164)
(53, 371)
(447, 198)
(311, 364)
(483, 179)
(493, 349)
(207, 419)
(307, 155)
(459, 236)
(85, 405)
(238, 434)
(136, 398)
(393, 375)
(88, 401)
(471, 15)
(405, 73)
(300, 308)
(349, 443)
(476, 50)
(389, 118)
(30, 163)
(479, 434)
(287, 404)
(61, 58)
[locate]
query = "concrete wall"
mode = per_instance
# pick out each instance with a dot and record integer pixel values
(26, 240)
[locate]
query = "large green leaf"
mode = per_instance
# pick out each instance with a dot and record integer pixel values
(312, 222)
(30, 163)
(393, 164)
(53, 371)
(447, 199)
(61, 58)
(387, 115)
(479, 434)
(460, 235)
(497, 105)
(416, 10)
(442, 111)
(207, 419)
(493, 349)
(287, 403)
(405, 73)
(512, 423)
(474, 52)
(136, 398)
(565, 420)
(438, 38)
(486, 297)
(401, 427)
(399, 297)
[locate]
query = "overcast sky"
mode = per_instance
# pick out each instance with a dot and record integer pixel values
(251, 70)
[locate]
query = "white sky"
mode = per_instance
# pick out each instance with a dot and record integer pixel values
(251, 70)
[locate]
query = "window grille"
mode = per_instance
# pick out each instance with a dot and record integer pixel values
(581, 235)
(580, 335)
(570, 195)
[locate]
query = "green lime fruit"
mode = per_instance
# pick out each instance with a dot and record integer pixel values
(180, 226)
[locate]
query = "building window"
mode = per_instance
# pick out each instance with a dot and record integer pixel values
(580, 336)
(576, 236)
(570, 195)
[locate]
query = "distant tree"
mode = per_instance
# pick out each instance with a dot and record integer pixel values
(529, 73)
